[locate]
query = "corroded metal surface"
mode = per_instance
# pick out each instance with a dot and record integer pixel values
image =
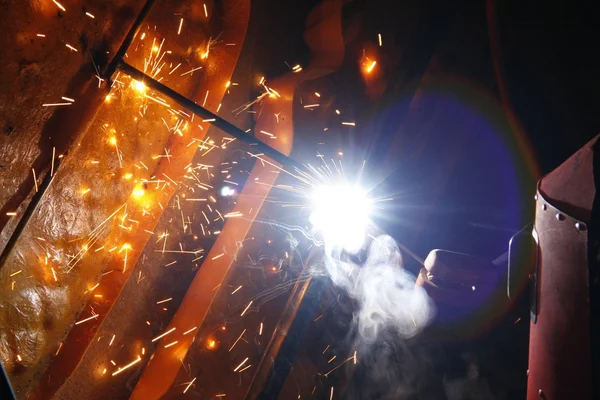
(94, 220)
(38, 68)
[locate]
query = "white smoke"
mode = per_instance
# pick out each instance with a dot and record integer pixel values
(388, 308)
(385, 292)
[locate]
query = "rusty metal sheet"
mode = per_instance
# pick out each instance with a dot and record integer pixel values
(38, 69)
(93, 222)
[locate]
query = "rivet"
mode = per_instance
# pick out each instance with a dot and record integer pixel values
(578, 226)
(541, 393)
(560, 217)
(535, 197)
(544, 207)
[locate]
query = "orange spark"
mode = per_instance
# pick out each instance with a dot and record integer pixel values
(59, 5)
(239, 366)
(371, 66)
(131, 364)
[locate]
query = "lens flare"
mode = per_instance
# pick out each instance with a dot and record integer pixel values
(341, 214)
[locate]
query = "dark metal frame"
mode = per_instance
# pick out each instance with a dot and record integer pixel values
(209, 117)
(6, 391)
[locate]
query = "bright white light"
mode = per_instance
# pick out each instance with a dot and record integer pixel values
(341, 214)
(227, 191)
(139, 86)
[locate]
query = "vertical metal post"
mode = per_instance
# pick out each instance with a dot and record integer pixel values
(286, 340)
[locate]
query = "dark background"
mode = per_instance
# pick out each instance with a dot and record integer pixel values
(477, 100)
(453, 191)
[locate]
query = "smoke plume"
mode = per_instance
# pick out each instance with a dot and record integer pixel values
(385, 292)
(389, 312)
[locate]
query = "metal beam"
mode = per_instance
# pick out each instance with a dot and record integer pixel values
(114, 64)
(208, 116)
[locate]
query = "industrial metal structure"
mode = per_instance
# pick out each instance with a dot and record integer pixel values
(554, 260)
